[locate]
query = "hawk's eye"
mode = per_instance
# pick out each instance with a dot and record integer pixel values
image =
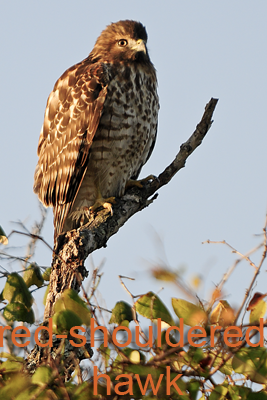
(122, 42)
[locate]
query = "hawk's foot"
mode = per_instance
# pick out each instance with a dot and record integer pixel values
(80, 216)
(105, 203)
(139, 183)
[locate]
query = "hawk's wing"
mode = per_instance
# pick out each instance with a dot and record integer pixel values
(71, 119)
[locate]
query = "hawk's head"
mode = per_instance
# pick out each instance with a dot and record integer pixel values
(123, 41)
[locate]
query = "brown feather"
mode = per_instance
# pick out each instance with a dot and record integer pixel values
(71, 120)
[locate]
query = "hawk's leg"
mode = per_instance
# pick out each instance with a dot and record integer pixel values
(139, 183)
(82, 213)
(103, 202)
(79, 216)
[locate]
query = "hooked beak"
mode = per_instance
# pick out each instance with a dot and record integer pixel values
(140, 46)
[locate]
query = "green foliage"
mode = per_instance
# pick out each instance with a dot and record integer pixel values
(129, 369)
(45, 295)
(258, 312)
(133, 355)
(64, 320)
(70, 310)
(70, 301)
(150, 306)
(33, 276)
(46, 274)
(20, 300)
(122, 314)
(15, 290)
(192, 315)
(168, 360)
(252, 362)
(18, 312)
(42, 375)
(12, 364)
(15, 386)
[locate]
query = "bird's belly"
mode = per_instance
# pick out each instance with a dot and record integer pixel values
(123, 140)
(116, 154)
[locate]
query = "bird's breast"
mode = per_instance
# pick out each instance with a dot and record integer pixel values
(125, 133)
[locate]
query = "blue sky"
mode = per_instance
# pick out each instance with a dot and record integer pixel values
(200, 50)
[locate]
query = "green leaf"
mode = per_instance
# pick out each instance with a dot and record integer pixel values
(42, 375)
(14, 387)
(150, 306)
(3, 237)
(258, 312)
(45, 295)
(219, 393)
(4, 354)
(262, 395)
(121, 314)
(144, 370)
(238, 392)
(193, 388)
(227, 368)
(105, 352)
(191, 314)
(82, 391)
(29, 393)
(16, 291)
(72, 302)
(18, 312)
(252, 362)
(46, 274)
(11, 365)
(32, 276)
(64, 320)
(136, 358)
(193, 356)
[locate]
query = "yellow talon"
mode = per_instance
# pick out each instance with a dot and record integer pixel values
(105, 203)
(139, 183)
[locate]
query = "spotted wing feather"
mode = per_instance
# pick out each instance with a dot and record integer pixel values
(71, 119)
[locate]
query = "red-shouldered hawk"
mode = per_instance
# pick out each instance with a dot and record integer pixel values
(100, 126)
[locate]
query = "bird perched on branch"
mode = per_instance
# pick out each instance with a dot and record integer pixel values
(99, 128)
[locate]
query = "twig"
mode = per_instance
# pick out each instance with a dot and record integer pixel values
(232, 268)
(257, 271)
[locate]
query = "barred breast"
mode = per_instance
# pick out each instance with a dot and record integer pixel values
(124, 139)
